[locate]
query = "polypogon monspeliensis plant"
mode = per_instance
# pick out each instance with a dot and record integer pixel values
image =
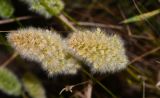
(45, 47)
(104, 53)
(45, 7)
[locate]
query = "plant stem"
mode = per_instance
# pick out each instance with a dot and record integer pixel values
(61, 17)
(14, 55)
(65, 21)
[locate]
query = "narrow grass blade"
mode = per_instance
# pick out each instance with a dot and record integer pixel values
(141, 17)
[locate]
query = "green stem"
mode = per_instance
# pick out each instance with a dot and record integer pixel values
(61, 17)
(65, 21)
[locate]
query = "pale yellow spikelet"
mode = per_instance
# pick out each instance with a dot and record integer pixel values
(105, 53)
(45, 47)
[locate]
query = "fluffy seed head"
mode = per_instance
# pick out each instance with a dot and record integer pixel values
(105, 53)
(55, 5)
(45, 47)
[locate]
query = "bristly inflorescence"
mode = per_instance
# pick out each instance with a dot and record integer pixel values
(45, 47)
(104, 53)
(56, 6)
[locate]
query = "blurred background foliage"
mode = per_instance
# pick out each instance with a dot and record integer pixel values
(137, 21)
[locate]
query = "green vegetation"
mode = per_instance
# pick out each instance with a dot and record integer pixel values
(135, 21)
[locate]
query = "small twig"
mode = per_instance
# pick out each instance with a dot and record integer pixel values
(17, 19)
(142, 37)
(99, 25)
(145, 54)
(67, 88)
(14, 55)
(8, 31)
(66, 22)
(70, 87)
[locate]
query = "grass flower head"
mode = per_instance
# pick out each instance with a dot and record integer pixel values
(105, 53)
(45, 47)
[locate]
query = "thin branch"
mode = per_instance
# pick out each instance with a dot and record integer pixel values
(17, 19)
(66, 22)
(14, 55)
(70, 87)
(144, 55)
(99, 25)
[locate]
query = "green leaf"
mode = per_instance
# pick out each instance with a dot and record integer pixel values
(141, 17)
(33, 86)
(9, 83)
(6, 9)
